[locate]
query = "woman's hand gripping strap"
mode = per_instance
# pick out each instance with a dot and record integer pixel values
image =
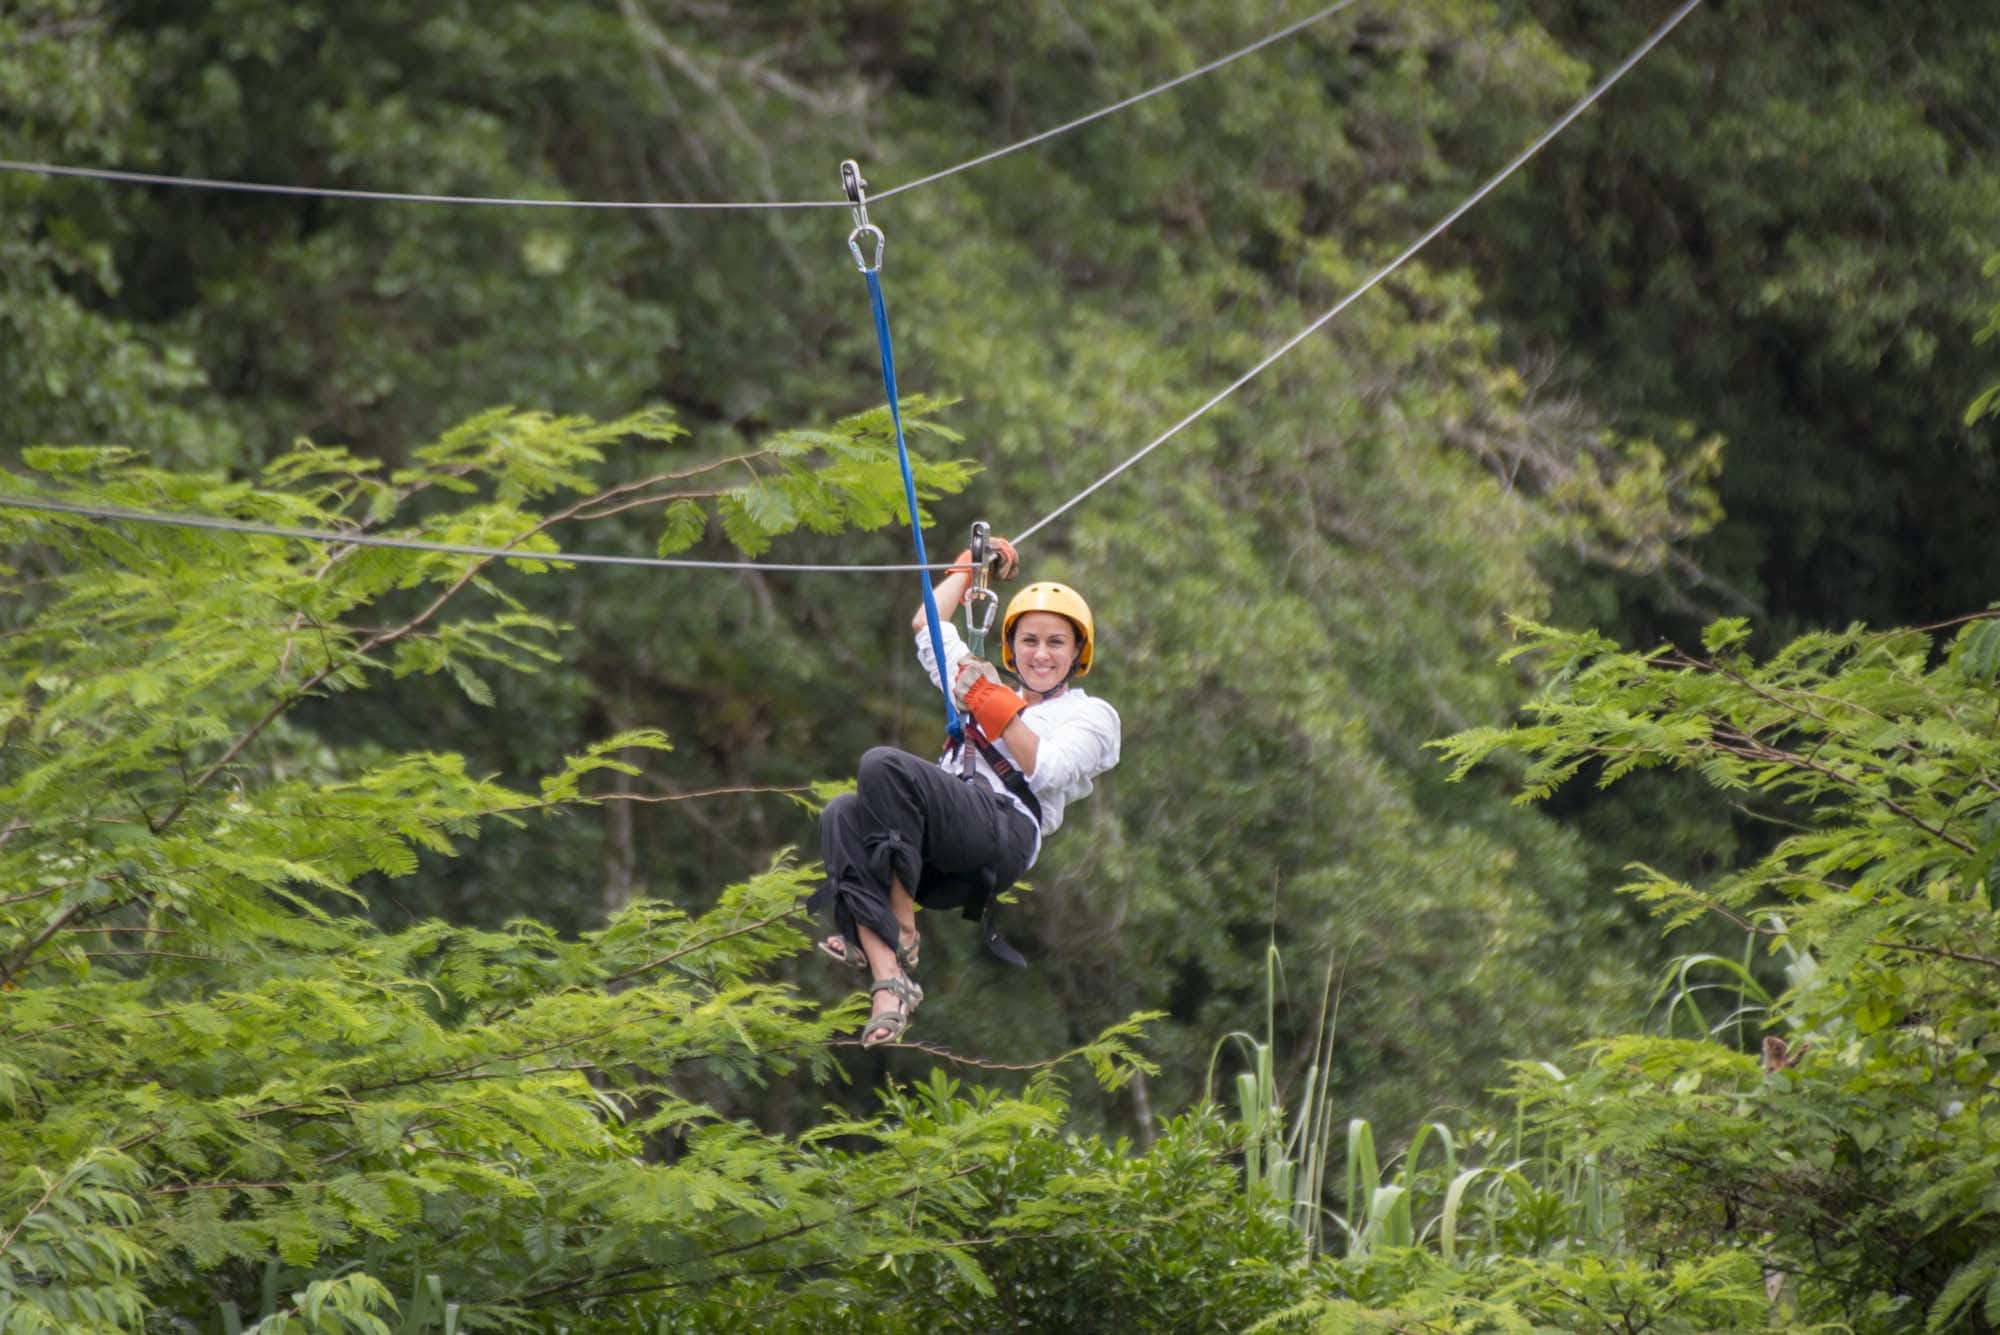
(992, 706)
(971, 670)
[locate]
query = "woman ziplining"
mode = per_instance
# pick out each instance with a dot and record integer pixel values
(957, 832)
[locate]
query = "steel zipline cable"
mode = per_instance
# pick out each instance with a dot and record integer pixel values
(399, 196)
(1213, 65)
(494, 201)
(1562, 123)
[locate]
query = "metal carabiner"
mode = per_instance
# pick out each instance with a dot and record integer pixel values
(980, 607)
(854, 247)
(980, 601)
(856, 190)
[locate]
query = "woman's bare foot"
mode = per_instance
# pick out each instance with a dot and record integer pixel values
(835, 948)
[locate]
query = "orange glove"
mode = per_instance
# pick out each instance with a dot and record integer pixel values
(1003, 549)
(992, 706)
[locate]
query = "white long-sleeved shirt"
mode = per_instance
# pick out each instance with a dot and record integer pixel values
(1078, 734)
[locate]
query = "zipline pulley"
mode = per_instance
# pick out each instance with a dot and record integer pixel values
(981, 603)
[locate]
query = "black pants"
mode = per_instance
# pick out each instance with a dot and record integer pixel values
(952, 844)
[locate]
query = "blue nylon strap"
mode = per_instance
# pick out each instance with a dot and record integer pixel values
(951, 719)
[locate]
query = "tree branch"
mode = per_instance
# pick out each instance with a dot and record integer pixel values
(156, 955)
(47, 1196)
(1912, 947)
(1742, 744)
(21, 957)
(647, 798)
(669, 958)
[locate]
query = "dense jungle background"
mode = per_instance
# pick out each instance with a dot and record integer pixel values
(393, 941)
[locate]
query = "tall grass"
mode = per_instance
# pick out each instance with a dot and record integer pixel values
(1286, 1164)
(1518, 1198)
(1687, 980)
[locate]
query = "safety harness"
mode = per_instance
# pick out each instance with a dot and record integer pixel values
(1017, 782)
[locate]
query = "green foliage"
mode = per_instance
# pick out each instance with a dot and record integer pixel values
(216, 1085)
(1065, 1233)
(76, 370)
(1682, 986)
(1578, 1294)
(1988, 400)
(1481, 1200)
(1769, 236)
(1856, 1159)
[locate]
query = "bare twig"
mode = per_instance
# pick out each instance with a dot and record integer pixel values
(689, 949)
(36, 894)
(945, 1054)
(735, 790)
(27, 952)
(1988, 615)
(184, 1188)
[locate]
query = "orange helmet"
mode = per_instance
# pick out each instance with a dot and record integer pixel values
(1048, 596)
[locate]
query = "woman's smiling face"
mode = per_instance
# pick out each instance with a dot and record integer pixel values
(1045, 645)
